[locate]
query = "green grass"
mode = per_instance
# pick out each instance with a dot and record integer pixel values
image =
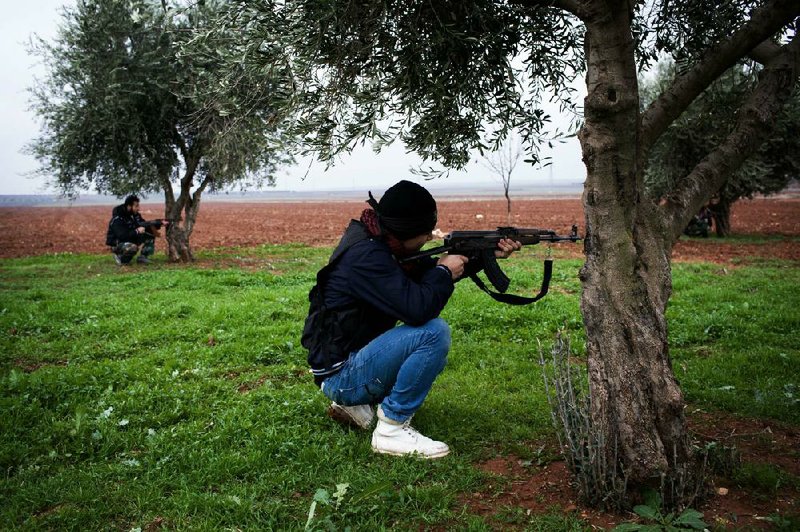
(121, 402)
(733, 337)
(741, 239)
(765, 479)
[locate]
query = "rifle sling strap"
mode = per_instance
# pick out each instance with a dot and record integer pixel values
(512, 299)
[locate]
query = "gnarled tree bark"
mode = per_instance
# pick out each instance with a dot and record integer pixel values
(637, 403)
(182, 211)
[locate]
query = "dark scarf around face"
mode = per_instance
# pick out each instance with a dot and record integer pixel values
(370, 219)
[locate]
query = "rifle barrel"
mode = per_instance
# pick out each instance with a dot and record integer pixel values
(455, 241)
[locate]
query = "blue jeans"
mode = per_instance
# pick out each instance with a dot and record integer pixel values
(396, 369)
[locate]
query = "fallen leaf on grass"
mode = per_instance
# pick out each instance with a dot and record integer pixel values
(155, 524)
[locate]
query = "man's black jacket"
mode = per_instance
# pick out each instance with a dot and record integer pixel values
(362, 293)
(123, 224)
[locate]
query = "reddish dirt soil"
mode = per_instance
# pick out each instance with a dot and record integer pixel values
(41, 230)
(537, 490)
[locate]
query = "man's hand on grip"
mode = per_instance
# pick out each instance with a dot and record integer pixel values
(506, 247)
(454, 263)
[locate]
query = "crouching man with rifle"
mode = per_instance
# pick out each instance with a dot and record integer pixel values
(376, 277)
(128, 231)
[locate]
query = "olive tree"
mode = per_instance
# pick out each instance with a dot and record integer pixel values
(132, 102)
(446, 77)
(707, 121)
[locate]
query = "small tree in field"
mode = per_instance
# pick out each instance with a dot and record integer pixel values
(132, 103)
(439, 74)
(502, 163)
(703, 126)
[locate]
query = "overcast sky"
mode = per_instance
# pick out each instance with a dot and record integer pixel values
(359, 171)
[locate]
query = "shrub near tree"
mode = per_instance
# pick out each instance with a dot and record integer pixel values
(439, 75)
(705, 124)
(127, 106)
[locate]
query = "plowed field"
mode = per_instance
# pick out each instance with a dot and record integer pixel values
(39, 230)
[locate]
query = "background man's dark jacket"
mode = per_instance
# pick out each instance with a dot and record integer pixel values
(123, 225)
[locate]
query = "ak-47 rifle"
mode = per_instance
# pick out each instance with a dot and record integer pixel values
(479, 247)
(152, 227)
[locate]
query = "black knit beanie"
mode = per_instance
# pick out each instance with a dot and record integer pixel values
(406, 210)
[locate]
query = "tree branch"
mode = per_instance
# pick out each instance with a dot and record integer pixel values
(764, 52)
(766, 21)
(181, 145)
(573, 7)
(194, 204)
(756, 121)
(169, 192)
(192, 162)
(199, 192)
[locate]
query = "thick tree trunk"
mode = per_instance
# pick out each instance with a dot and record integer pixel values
(182, 211)
(179, 248)
(179, 232)
(721, 211)
(636, 402)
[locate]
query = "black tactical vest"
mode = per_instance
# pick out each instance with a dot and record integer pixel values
(332, 334)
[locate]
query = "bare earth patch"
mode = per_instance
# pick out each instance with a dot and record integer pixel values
(539, 490)
(29, 366)
(535, 490)
(248, 387)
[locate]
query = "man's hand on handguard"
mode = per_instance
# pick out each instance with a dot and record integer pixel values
(454, 263)
(140, 230)
(506, 247)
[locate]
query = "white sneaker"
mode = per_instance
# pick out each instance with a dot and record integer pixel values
(401, 439)
(359, 416)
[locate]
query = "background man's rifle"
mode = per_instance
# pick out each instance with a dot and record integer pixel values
(479, 247)
(152, 227)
